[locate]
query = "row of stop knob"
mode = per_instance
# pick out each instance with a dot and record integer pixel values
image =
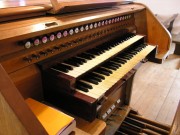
(64, 33)
(52, 50)
(41, 53)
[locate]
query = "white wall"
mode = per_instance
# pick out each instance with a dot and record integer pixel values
(162, 6)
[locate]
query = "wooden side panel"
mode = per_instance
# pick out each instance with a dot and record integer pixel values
(18, 106)
(28, 82)
(156, 33)
(141, 22)
(10, 124)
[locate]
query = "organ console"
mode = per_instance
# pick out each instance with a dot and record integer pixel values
(81, 60)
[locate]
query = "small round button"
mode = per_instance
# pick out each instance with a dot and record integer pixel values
(123, 18)
(82, 29)
(36, 42)
(91, 26)
(102, 23)
(99, 24)
(113, 20)
(65, 33)
(59, 35)
(44, 39)
(27, 45)
(95, 25)
(110, 21)
(71, 32)
(87, 27)
(76, 30)
(118, 19)
(52, 37)
(106, 22)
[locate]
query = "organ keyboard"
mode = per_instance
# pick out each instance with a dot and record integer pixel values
(81, 62)
(96, 71)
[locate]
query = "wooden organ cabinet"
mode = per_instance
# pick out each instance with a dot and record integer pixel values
(81, 61)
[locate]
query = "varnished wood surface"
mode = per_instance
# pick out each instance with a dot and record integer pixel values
(176, 123)
(156, 33)
(156, 90)
(97, 127)
(19, 3)
(29, 83)
(29, 26)
(80, 5)
(29, 8)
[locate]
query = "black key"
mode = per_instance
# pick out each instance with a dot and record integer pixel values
(131, 52)
(90, 80)
(82, 88)
(124, 60)
(110, 67)
(93, 51)
(86, 56)
(118, 61)
(111, 63)
(73, 63)
(115, 63)
(98, 75)
(84, 84)
(125, 57)
(93, 55)
(95, 78)
(76, 60)
(100, 71)
(81, 59)
(57, 67)
(114, 44)
(127, 54)
(100, 50)
(107, 70)
(65, 66)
